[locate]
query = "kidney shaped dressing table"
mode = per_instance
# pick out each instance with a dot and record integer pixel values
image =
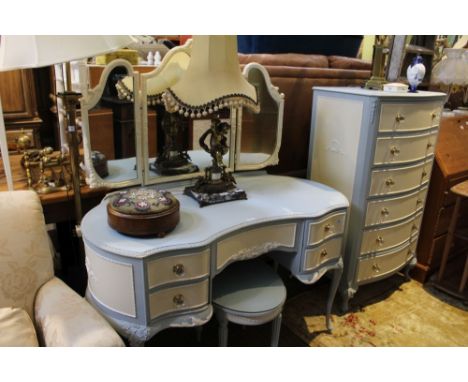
(143, 285)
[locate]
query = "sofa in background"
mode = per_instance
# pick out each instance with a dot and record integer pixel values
(295, 75)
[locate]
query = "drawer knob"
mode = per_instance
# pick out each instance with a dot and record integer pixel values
(394, 150)
(324, 253)
(179, 300)
(389, 182)
(329, 228)
(418, 202)
(429, 145)
(385, 211)
(414, 227)
(379, 240)
(376, 268)
(434, 115)
(399, 117)
(423, 174)
(178, 269)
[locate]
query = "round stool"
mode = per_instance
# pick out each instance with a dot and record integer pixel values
(248, 293)
(461, 191)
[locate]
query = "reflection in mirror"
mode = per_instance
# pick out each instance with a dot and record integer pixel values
(259, 134)
(109, 130)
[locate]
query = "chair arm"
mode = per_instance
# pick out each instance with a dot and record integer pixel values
(63, 318)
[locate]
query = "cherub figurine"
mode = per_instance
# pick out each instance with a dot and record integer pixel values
(218, 141)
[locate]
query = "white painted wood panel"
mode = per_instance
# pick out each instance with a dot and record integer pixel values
(324, 252)
(399, 149)
(111, 283)
(178, 268)
(388, 181)
(393, 209)
(325, 228)
(255, 242)
(378, 266)
(178, 298)
(409, 116)
(338, 137)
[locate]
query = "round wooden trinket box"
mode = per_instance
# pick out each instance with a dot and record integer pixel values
(143, 212)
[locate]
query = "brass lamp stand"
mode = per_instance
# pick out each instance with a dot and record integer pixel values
(377, 80)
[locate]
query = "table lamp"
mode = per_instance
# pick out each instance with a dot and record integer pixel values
(212, 81)
(26, 51)
(452, 72)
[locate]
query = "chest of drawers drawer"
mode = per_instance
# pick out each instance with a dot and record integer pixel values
(404, 148)
(409, 116)
(327, 227)
(329, 250)
(388, 181)
(388, 210)
(179, 298)
(177, 268)
(378, 266)
(380, 239)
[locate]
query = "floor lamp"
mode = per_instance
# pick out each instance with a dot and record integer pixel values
(25, 52)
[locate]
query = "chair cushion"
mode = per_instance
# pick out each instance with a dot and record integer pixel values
(16, 328)
(248, 287)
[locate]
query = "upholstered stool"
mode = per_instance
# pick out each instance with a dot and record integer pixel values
(248, 293)
(461, 191)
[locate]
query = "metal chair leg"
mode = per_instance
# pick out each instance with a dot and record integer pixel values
(223, 332)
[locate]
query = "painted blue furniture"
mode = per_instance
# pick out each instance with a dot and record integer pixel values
(144, 285)
(248, 293)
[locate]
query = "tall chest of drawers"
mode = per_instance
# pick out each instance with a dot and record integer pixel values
(377, 148)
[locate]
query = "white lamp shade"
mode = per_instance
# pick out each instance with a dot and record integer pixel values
(452, 70)
(22, 52)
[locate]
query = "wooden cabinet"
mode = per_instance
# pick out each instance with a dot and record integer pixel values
(19, 106)
(450, 168)
(377, 148)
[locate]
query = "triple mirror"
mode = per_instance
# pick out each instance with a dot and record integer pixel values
(129, 138)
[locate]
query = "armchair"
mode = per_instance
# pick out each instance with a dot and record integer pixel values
(37, 308)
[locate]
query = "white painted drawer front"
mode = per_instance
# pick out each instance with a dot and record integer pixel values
(318, 255)
(377, 266)
(389, 181)
(408, 117)
(179, 298)
(180, 267)
(390, 210)
(380, 239)
(255, 242)
(400, 149)
(327, 227)
(114, 288)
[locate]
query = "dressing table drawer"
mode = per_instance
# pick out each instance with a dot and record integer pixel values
(409, 116)
(400, 149)
(389, 181)
(325, 228)
(329, 250)
(178, 298)
(376, 240)
(255, 242)
(378, 266)
(394, 209)
(178, 268)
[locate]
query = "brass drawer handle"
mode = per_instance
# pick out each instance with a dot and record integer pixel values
(418, 202)
(329, 228)
(385, 211)
(434, 115)
(376, 268)
(423, 174)
(178, 269)
(179, 300)
(389, 182)
(429, 145)
(324, 253)
(379, 240)
(394, 150)
(414, 227)
(399, 117)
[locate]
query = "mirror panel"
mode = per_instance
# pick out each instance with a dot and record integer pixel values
(259, 134)
(111, 137)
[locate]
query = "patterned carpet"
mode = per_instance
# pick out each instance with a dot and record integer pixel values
(392, 312)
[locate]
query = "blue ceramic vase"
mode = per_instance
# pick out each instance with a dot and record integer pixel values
(415, 73)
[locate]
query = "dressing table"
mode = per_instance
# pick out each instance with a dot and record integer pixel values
(144, 285)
